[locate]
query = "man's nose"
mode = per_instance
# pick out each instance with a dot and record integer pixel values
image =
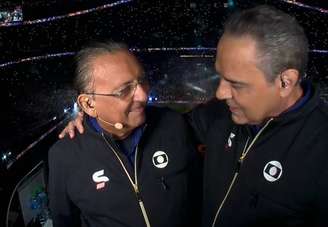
(141, 93)
(224, 90)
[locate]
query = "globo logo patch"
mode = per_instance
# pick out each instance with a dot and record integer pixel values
(160, 159)
(272, 171)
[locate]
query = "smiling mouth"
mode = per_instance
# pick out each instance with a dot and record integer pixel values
(139, 109)
(232, 108)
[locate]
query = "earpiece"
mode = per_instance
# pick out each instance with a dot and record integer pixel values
(117, 125)
(283, 83)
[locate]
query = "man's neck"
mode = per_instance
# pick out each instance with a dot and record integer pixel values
(119, 134)
(285, 104)
(296, 95)
(122, 135)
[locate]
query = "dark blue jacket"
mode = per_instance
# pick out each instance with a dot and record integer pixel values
(87, 183)
(282, 181)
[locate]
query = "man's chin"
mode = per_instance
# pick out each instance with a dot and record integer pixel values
(238, 119)
(137, 119)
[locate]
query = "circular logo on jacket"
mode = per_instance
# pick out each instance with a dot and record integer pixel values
(160, 159)
(272, 171)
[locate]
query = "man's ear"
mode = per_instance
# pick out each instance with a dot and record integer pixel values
(87, 105)
(288, 80)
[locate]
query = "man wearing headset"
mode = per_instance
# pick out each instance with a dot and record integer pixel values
(134, 165)
(266, 134)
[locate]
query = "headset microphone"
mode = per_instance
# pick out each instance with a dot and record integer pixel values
(117, 125)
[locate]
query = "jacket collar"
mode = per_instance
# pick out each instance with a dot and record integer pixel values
(301, 108)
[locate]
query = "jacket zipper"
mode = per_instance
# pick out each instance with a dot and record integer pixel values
(239, 163)
(136, 190)
(133, 184)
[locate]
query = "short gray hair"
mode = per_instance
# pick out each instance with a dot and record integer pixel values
(84, 79)
(280, 41)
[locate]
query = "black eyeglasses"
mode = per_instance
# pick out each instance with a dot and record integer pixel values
(127, 91)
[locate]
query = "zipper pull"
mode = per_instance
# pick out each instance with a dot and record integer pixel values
(138, 194)
(239, 163)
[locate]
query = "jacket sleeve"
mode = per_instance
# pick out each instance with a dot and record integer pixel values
(195, 187)
(195, 173)
(203, 116)
(63, 211)
(321, 200)
(318, 212)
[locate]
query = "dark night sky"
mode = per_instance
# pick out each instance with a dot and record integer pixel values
(36, 91)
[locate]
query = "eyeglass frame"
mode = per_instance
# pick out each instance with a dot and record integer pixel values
(142, 80)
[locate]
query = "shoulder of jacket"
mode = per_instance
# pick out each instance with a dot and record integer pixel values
(211, 111)
(319, 116)
(323, 108)
(163, 113)
(68, 148)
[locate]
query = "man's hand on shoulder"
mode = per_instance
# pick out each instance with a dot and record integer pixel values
(72, 126)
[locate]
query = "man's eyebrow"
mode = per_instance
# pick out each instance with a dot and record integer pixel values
(123, 86)
(230, 80)
(141, 75)
(235, 82)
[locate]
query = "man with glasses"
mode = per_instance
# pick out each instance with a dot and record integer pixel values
(134, 165)
(266, 134)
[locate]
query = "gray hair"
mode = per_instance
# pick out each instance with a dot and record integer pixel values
(84, 79)
(280, 41)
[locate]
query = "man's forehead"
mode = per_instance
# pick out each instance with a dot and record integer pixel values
(116, 61)
(116, 69)
(237, 50)
(113, 58)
